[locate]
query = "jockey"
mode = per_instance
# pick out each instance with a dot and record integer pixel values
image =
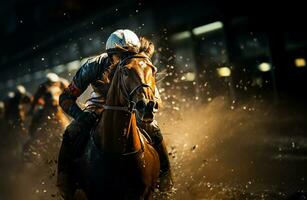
(98, 72)
(14, 104)
(46, 97)
(49, 91)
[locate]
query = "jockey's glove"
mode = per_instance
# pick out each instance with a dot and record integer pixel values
(87, 119)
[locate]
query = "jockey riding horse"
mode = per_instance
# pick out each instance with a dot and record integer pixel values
(15, 108)
(13, 124)
(48, 120)
(98, 72)
(46, 103)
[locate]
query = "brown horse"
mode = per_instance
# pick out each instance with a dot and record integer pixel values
(47, 124)
(118, 162)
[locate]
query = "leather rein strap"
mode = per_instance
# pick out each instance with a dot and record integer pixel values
(128, 96)
(131, 107)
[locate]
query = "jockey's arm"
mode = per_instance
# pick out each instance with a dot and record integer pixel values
(38, 94)
(88, 73)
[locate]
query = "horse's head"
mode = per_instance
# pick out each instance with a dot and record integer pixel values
(137, 83)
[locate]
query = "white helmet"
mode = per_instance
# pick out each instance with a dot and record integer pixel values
(123, 41)
(20, 89)
(52, 77)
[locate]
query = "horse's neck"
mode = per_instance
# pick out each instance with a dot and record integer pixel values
(117, 130)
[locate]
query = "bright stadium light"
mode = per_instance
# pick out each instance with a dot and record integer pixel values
(181, 36)
(264, 67)
(224, 71)
(300, 62)
(59, 69)
(190, 76)
(207, 28)
(74, 65)
(39, 74)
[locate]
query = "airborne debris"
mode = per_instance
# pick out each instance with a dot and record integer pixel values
(194, 147)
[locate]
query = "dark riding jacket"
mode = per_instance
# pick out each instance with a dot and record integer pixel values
(97, 72)
(90, 73)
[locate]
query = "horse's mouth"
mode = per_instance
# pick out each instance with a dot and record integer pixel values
(147, 121)
(146, 117)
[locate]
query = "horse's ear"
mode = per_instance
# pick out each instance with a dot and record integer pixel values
(150, 51)
(147, 47)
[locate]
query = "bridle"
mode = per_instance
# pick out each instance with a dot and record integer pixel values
(131, 107)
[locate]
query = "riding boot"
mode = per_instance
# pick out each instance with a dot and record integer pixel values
(166, 179)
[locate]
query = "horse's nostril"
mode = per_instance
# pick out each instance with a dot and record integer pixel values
(140, 105)
(148, 116)
(156, 106)
(151, 105)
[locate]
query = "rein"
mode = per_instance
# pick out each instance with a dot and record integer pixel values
(131, 108)
(128, 95)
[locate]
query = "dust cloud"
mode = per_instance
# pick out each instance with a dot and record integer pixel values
(223, 150)
(218, 150)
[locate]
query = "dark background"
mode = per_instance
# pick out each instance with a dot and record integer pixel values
(239, 135)
(37, 36)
